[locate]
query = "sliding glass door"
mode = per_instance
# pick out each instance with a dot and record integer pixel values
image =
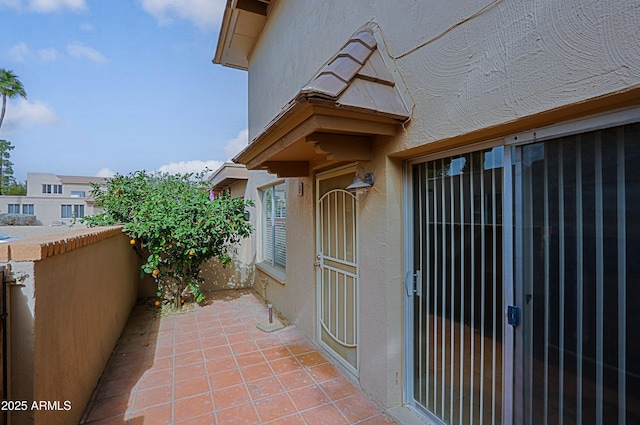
(562, 254)
(581, 268)
(457, 297)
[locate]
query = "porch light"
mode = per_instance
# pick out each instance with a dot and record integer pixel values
(361, 185)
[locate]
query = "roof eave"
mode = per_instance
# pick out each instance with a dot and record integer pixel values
(242, 23)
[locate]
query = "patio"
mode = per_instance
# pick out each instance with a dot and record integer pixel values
(213, 366)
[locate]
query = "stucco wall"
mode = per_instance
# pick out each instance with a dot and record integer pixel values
(75, 295)
(295, 296)
(467, 65)
(240, 273)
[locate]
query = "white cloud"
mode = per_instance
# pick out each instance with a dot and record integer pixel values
(19, 52)
(81, 51)
(14, 4)
(105, 172)
(45, 6)
(48, 55)
(87, 27)
(194, 166)
(233, 146)
(25, 114)
(202, 13)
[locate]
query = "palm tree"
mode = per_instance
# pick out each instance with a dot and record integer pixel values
(10, 86)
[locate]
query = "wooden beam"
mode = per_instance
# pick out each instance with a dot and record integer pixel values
(342, 146)
(288, 168)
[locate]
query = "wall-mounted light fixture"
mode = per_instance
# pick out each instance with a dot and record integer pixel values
(362, 181)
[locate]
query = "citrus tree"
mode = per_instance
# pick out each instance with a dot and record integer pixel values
(177, 225)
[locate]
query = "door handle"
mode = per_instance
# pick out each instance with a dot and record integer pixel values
(413, 283)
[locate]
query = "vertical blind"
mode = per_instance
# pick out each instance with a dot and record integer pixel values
(581, 268)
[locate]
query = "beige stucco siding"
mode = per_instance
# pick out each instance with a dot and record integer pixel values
(467, 65)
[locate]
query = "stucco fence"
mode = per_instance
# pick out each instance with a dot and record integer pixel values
(71, 296)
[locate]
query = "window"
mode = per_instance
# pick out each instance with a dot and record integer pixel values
(27, 209)
(77, 194)
(52, 188)
(14, 208)
(274, 225)
(72, 211)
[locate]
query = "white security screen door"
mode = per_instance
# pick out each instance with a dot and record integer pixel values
(337, 254)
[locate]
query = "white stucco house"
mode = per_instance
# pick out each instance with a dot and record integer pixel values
(54, 199)
(480, 269)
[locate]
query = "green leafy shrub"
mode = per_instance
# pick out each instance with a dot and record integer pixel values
(177, 225)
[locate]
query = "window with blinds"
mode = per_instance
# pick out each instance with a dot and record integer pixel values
(274, 225)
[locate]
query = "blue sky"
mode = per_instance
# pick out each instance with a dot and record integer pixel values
(119, 86)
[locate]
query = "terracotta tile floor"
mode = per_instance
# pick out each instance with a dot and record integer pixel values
(213, 366)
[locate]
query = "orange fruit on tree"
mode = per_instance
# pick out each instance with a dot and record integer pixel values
(181, 300)
(192, 252)
(156, 272)
(157, 303)
(132, 242)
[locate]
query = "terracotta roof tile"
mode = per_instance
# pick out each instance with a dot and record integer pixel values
(367, 38)
(357, 77)
(325, 86)
(356, 50)
(344, 67)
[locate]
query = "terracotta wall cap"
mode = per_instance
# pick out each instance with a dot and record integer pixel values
(41, 247)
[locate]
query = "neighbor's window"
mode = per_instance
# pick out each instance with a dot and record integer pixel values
(72, 211)
(27, 209)
(46, 188)
(67, 211)
(78, 211)
(14, 208)
(57, 188)
(77, 193)
(274, 225)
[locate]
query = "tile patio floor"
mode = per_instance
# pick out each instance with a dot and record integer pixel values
(213, 366)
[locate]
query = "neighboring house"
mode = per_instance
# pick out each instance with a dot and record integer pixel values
(231, 179)
(54, 199)
(488, 274)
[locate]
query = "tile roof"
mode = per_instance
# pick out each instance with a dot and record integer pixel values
(357, 78)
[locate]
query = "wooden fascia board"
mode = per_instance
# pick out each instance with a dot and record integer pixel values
(278, 145)
(288, 168)
(234, 11)
(303, 118)
(280, 127)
